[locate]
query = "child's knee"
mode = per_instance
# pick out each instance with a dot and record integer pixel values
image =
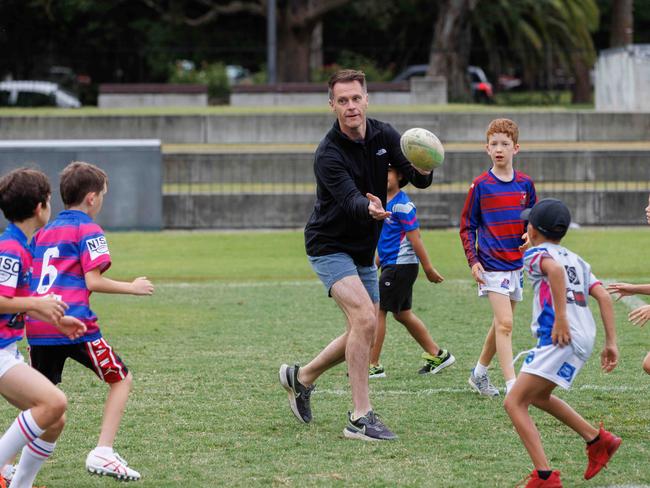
(646, 363)
(503, 326)
(57, 404)
(401, 316)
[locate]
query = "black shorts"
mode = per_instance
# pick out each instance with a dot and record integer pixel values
(96, 355)
(396, 286)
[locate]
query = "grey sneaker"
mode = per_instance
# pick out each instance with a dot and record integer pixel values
(298, 393)
(482, 385)
(368, 428)
(434, 364)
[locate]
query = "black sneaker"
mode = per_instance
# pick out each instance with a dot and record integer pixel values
(434, 364)
(298, 393)
(368, 428)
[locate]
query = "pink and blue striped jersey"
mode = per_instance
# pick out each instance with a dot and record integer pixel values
(15, 276)
(393, 246)
(490, 226)
(64, 251)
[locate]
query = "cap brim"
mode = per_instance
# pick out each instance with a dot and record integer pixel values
(525, 214)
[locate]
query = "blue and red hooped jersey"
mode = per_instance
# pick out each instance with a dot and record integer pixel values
(15, 277)
(490, 225)
(64, 251)
(393, 246)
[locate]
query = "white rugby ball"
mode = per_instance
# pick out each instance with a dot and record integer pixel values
(422, 148)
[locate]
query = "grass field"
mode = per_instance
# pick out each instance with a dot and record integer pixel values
(207, 409)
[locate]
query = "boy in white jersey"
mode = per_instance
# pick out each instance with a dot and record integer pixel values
(565, 328)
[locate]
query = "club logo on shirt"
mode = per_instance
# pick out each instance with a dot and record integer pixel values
(524, 199)
(576, 297)
(9, 269)
(566, 371)
(381, 152)
(572, 274)
(97, 247)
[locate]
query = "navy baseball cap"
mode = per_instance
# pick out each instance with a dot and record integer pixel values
(402, 179)
(549, 216)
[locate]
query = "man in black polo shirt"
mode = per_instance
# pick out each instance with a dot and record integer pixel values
(351, 167)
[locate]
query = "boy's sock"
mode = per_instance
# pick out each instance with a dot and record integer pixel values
(22, 431)
(34, 455)
(509, 385)
(594, 440)
(480, 370)
(542, 474)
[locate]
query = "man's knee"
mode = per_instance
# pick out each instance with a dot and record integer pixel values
(646, 363)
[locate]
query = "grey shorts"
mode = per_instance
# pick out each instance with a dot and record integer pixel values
(334, 267)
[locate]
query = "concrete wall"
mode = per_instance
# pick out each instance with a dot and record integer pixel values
(421, 91)
(622, 78)
(285, 128)
(434, 209)
(600, 186)
(544, 166)
(134, 168)
(118, 100)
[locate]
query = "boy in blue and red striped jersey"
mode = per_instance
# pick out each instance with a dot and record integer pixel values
(493, 236)
(25, 202)
(70, 256)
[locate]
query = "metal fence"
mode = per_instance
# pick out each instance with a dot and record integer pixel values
(233, 189)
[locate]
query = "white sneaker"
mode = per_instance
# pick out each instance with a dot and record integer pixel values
(111, 464)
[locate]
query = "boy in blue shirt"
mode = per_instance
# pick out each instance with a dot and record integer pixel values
(399, 252)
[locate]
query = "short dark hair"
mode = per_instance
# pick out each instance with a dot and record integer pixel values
(21, 191)
(78, 179)
(345, 76)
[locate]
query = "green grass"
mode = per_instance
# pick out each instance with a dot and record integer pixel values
(207, 409)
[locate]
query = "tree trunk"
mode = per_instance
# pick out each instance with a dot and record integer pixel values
(622, 24)
(294, 49)
(581, 92)
(448, 57)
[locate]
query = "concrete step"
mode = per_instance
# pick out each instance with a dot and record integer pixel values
(545, 163)
(289, 125)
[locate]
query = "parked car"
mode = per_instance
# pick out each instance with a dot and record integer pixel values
(35, 94)
(479, 84)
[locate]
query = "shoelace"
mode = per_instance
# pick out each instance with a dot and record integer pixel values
(120, 458)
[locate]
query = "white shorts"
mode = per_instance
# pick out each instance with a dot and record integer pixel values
(510, 283)
(9, 357)
(559, 365)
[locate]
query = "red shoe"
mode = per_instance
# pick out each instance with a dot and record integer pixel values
(600, 452)
(3, 482)
(534, 481)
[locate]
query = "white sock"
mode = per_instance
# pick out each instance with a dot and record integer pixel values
(103, 450)
(34, 455)
(509, 385)
(23, 430)
(480, 370)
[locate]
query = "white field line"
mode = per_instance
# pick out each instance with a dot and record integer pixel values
(631, 302)
(436, 391)
(264, 284)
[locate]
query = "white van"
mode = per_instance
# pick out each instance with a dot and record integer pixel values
(35, 94)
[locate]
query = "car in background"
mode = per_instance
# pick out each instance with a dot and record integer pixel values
(479, 84)
(23, 93)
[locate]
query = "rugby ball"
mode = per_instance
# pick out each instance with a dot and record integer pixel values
(422, 148)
